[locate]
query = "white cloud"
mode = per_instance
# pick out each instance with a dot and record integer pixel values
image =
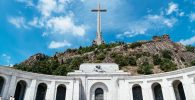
(34, 22)
(173, 7)
(170, 22)
(55, 44)
(7, 59)
(192, 17)
(47, 7)
(149, 22)
(19, 22)
(161, 21)
(28, 2)
(189, 41)
(135, 29)
(181, 14)
(65, 25)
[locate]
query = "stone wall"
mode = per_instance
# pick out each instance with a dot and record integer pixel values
(117, 85)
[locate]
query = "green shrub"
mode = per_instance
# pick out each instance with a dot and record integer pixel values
(193, 63)
(75, 63)
(113, 54)
(121, 60)
(145, 68)
(132, 61)
(136, 44)
(167, 54)
(167, 65)
(61, 70)
(101, 56)
(156, 59)
(190, 48)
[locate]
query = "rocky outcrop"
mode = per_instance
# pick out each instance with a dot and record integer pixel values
(35, 58)
(140, 51)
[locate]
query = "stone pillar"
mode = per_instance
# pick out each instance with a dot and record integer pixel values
(69, 91)
(187, 86)
(123, 91)
(167, 90)
(147, 91)
(76, 91)
(131, 92)
(113, 89)
(193, 86)
(31, 91)
(6, 88)
(50, 91)
(12, 87)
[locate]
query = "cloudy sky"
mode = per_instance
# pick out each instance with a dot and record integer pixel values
(48, 26)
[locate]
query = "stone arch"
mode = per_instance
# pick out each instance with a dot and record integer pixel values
(41, 91)
(2, 83)
(61, 92)
(20, 90)
(98, 89)
(157, 91)
(178, 89)
(137, 92)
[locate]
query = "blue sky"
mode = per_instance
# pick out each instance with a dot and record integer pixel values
(28, 27)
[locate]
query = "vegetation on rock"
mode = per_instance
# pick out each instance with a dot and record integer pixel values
(143, 57)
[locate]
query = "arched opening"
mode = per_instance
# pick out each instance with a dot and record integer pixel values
(137, 92)
(41, 91)
(157, 91)
(179, 91)
(99, 94)
(61, 92)
(2, 81)
(20, 90)
(99, 91)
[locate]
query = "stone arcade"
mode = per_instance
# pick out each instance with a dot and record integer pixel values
(97, 82)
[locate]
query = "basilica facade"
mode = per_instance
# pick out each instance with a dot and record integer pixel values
(97, 82)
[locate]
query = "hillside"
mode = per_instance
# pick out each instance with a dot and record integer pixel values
(158, 55)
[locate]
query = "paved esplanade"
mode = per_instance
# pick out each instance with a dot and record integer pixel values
(97, 82)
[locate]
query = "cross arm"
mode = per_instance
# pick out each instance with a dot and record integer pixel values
(96, 10)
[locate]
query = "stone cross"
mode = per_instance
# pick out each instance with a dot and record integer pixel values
(99, 39)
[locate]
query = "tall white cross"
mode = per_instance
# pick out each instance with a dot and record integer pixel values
(98, 40)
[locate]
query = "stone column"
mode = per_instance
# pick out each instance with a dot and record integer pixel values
(6, 88)
(187, 86)
(12, 87)
(147, 91)
(193, 86)
(167, 90)
(113, 88)
(69, 91)
(76, 91)
(123, 91)
(50, 91)
(31, 91)
(131, 92)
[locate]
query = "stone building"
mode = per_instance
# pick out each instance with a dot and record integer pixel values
(97, 82)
